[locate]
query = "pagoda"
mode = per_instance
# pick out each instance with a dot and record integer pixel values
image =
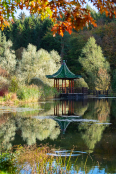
(64, 74)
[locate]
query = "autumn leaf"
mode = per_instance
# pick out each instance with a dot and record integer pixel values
(68, 11)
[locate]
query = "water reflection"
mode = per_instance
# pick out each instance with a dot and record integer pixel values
(70, 108)
(7, 131)
(90, 126)
(90, 119)
(92, 132)
(38, 129)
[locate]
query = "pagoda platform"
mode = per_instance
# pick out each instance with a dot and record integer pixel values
(73, 96)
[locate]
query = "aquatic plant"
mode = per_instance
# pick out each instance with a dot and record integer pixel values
(7, 163)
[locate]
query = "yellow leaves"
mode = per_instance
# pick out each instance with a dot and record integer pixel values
(33, 3)
(3, 24)
(6, 23)
(73, 13)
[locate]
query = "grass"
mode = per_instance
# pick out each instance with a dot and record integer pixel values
(37, 160)
(27, 94)
(2, 172)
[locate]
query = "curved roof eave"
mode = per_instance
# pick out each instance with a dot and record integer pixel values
(63, 73)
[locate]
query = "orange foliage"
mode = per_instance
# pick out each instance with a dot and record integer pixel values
(72, 11)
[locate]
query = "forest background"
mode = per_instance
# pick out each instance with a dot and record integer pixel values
(32, 33)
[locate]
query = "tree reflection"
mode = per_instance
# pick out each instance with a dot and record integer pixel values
(98, 110)
(113, 108)
(7, 133)
(102, 110)
(80, 109)
(33, 129)
(91, 132)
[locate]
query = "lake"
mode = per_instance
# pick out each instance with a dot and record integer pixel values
(87, 127)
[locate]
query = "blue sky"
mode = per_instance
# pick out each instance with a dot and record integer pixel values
(27, 12)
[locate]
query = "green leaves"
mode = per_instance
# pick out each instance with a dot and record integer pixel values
(37, 64)
(92, 60)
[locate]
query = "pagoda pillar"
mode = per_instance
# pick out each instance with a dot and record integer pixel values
(54, 111)
(54, 83)
(65, 107)
(62, 107)
(65, 86)
(58, 108)
(71, 85)
(62, 85)
(71, 107)
(58, 85)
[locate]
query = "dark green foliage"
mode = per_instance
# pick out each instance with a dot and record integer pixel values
(113, 84)
(20, 94)
(28, 30)
(51, 43)
(37, 81)
(13, 87)
(77, 42)
(6, 163)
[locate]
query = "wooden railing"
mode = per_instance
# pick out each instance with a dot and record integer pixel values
(83, 90)
(73, 90)
(98, 92)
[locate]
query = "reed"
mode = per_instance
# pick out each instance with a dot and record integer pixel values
(37, 160)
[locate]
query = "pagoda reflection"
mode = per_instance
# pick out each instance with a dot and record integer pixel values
(67, 107)
(64, 108)
(66, 112)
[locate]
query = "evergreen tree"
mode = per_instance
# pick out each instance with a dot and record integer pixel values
(27, 30)
(92, 60)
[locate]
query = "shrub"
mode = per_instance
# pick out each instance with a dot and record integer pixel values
(3, 82)
(13, 87)
(27, 92)
(8, 96)
(45, 90)
(48, 91)
(6, 164)
(80, 83)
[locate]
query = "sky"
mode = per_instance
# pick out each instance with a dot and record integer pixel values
(27, 12)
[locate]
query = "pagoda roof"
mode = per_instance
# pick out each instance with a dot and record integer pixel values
(63, 73)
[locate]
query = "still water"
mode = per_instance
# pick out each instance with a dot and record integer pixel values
(88, 127)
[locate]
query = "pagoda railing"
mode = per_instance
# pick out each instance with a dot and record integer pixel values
(84, 91)
(73, 90)
(98, 92)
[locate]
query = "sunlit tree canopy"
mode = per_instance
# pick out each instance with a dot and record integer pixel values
(72, 13)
